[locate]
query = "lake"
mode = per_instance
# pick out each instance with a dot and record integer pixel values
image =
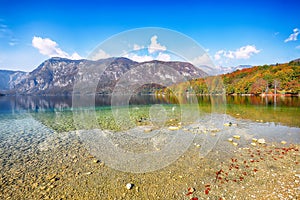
(162, 145)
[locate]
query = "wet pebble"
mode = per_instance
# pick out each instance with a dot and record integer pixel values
(129, 186)
(173, 128)
(261, 141)
(253, 143)
(236, 136)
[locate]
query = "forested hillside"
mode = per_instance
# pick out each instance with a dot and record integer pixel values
(256, 80)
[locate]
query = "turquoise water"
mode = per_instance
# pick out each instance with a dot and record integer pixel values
(275, 118)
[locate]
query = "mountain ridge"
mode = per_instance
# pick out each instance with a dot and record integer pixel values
(57, 76)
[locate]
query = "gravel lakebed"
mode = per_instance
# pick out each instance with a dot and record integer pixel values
(37, 162)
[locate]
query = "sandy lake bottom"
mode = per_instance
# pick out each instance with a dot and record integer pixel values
(227, 162)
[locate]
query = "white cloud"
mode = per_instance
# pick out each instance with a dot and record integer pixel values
(4, 31)
(293, 36)
(100, 54)
(50, 48)
(218, 54)
(137, 47)
(163, 57)
(143, 58)
(202, 60)
(156, 51)
(138, 58)
(244, 52)
(229, 54)
(155, 46)
(13, 42)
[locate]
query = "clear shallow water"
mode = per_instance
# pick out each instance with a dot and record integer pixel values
(27, 121)
(282, 110)
(38, 139)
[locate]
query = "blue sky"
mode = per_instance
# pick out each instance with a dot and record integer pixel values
(232, 32)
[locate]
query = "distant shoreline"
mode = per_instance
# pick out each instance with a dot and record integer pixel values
(150, 94)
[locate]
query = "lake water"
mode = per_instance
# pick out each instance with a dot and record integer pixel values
(39, 135)
(283, 110)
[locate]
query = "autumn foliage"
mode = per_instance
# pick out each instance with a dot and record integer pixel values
(256, 80)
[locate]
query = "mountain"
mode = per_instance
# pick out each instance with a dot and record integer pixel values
(59, 76)
(226, 70)
(295, 61)
(8, 79)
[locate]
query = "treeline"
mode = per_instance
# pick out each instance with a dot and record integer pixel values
(266, 79)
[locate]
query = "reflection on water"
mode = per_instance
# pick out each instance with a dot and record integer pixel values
(280, 109)
(58, 103)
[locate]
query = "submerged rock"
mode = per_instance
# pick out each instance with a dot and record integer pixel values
(253, 143)
(261, 141)
(236, 136)
(129, 186)
(147, 130)
(173, 128)
(235, 144)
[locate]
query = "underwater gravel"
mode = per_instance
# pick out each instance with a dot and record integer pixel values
(39, 163)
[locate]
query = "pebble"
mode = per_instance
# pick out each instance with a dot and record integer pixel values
(283, 142)
(261, 141)
(147, 130)
(235, 143)
(227, 124)
(253, 143)
(230, 139)
(230, 124)
(96, 161)
(173, 128)
(236, 136)
(34, 185)
(254, 139)
(51, 176)
(42, 187)
(129, 186)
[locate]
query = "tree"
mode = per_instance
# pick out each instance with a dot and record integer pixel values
(258, 86)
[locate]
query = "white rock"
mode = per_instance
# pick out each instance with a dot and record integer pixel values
(261, 141)
(253, 143)
(173, 128)
(129, 186)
